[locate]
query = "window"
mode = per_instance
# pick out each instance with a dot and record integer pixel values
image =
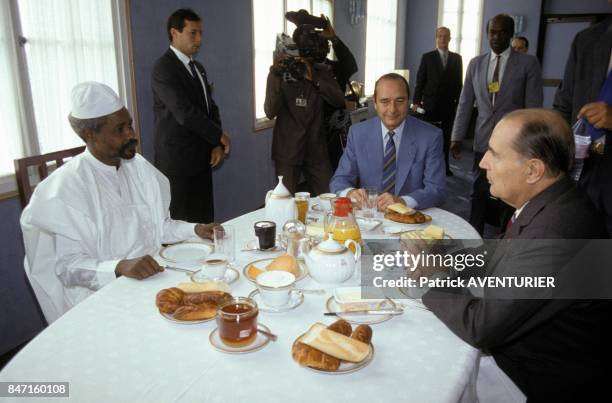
(47, 47)
(464, 19)
(380, 41)
(269, 20)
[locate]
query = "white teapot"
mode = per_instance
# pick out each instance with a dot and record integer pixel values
(330, 262)
(280, 206)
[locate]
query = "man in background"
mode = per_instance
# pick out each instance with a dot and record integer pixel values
(438, 86)
(586, 92)
(498, 82)
(520, 44)
(189, 138)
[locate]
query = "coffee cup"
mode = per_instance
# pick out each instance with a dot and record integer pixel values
(275, 287)
(266, 234)
(326, 199)
(213, 268)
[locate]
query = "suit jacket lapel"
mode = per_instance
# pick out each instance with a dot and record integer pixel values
(508, 74)
(483, 73)
(439, 65)
(406, 154)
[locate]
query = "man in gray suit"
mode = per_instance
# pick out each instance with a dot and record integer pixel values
(498, 82)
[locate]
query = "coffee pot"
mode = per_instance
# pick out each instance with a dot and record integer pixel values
(280, 206)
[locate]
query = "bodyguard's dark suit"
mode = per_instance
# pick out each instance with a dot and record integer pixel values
(438, 89)
(185, 134)
(585, 73)
(553, 349)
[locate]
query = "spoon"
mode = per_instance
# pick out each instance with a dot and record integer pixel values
(316, 292)
(272, 336)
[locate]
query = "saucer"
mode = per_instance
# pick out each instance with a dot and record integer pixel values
(295, 299)
(187, 253)
(333, 306)
(260, 342)
(368, 225)
(253, 246)
(230, 276)
(172, 319)
(393, 229)
(345, 367)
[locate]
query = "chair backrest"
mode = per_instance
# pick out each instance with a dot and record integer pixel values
(40, 161)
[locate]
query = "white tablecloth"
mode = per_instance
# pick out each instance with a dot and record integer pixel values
(115, 347)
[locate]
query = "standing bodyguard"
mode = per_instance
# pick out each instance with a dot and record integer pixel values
(438, 86)
(189, 139)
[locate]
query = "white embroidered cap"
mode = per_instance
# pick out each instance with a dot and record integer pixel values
(93, 100)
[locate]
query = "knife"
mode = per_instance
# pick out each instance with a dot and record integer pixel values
(367, 312)
(179, 269)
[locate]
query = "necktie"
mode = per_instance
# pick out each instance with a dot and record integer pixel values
(605, 94)
(444, 59)
(509, 225)
(495, 78)
(196, 78)
(389, 165)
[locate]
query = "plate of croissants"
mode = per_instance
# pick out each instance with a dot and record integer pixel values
(334, 349)
(397, 212)
(182, 307)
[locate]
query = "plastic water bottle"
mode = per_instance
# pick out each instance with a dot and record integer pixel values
(583, 142)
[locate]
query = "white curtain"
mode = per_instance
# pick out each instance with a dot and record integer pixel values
(68, 41)
(10, 121)
(380, 40)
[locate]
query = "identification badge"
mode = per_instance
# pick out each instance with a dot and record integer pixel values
(493, 87)
(301, 102)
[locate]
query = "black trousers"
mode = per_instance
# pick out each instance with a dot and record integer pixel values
(317, 174)
(192, 198)
(484, 208)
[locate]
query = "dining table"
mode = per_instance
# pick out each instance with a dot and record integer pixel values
(115, 346)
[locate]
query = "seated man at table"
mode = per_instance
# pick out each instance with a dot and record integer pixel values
(102, 214)
(396, 154)
(550, 346)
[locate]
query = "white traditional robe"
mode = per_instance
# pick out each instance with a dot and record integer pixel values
(86, 217)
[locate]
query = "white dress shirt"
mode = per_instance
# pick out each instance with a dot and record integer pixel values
(397, 138)
(185, 60)
(443, 56)
(503, 60)
(86, 217)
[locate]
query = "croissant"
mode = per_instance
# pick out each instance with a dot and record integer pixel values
(210, 297)
(196, 312)
(313, 358)
(416, 218)
(169, 300)
(362, 333)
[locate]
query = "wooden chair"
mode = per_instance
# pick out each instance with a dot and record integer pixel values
(40, 161)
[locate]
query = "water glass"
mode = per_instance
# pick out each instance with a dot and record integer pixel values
(225, 242)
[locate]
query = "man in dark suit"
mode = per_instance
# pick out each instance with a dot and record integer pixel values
(498, 82)
(189, 139)
(551, 348)
(438, 86)
(581, 94)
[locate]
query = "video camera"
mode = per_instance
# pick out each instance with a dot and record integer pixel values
(306, 42)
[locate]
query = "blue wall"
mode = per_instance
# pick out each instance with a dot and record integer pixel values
(421, 23)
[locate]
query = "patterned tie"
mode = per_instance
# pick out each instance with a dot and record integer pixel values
(389, 165)
(196, 78)
(495, 79)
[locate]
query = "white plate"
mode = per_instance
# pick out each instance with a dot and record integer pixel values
(262, 263)
(345, 367)
(260, 342)
(419, 234)
(332, 306)
(230, 276)
(368, 225)
(171, 318)
(253, 246)
(186, 252)
(295, 299)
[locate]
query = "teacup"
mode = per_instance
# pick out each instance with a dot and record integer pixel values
(275, 287)
(213, 268)
(326, 200)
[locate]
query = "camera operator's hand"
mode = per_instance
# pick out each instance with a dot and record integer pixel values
(308, 72)
(328, 33)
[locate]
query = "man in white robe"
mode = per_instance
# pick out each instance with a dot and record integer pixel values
(101, 215)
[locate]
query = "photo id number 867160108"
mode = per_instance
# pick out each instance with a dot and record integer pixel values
(34, 389)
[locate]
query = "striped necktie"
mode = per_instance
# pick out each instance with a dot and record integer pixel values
(389, 165)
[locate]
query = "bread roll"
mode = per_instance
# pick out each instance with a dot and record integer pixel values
(196, 312)
(313, 358)
(169, 300)
(285, 263)
(335, 344)
(212, 285)
(363, 333)
(210, 297)
(416, 218)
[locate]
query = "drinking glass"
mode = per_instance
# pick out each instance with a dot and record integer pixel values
(369, 208)
(225, 242)
(301, 202)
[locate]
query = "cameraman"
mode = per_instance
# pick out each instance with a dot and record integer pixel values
(298, 88)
